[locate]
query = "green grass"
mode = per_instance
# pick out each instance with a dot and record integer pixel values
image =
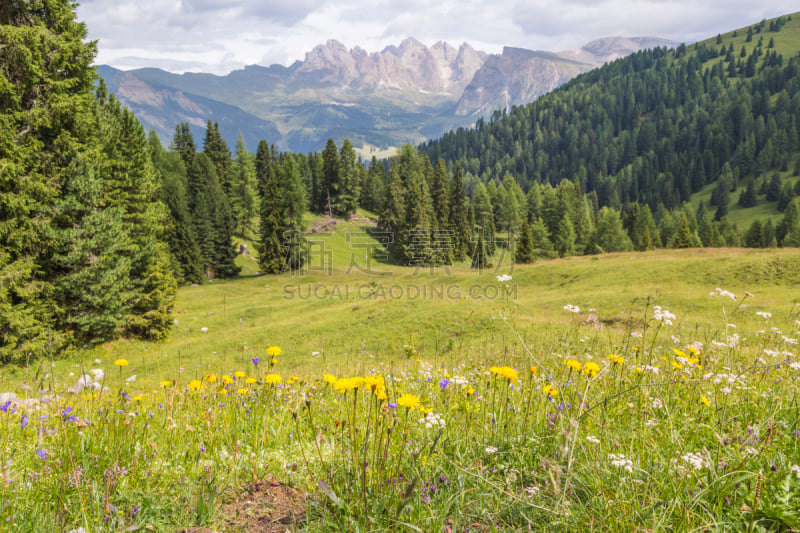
(744, 216)
(609, 452)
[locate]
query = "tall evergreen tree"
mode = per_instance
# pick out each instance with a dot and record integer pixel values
(183, 143)
(330, 177)
(271, 253)
(458, 217)
(348, 189)
(524, 252)
(243, 197)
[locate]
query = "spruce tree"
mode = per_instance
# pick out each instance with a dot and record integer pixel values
(348, 189)
(330, 176)
(393, 209)
(683, 238)
(458, 217)
(271, 253)
(243, 197)
(524, 251)
(183, 143)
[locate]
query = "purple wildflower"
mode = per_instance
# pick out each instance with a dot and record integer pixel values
(42, 454)
(24, 421)
(255, 361)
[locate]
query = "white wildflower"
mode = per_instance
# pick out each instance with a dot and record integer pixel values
(572, 308)
(203, 330)
(503, 278)
(131, 379)
(789, 340)
(636, 334)
(655, 403)
(651, 422)
(662, 314)
(795, 469)
(764, 315)
(593, 439)
(432, 420)
(697, 461)
(490, 450)
(532, 491)
(725, 390)
(621, 462)
(794, 365)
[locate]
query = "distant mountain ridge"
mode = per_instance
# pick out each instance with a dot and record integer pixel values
(405, 93)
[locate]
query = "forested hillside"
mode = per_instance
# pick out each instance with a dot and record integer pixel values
(654, 127)
(82, 251)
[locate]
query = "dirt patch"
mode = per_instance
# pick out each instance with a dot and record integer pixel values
(323, 225)
(266, 507)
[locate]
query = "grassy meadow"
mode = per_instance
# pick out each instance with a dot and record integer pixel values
(651, 391)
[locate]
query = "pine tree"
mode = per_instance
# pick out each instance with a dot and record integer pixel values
(373, 191)
(458, 218)
(215, 147)
(610, 235)
(774, 188)
(393, 209)
(293, 197)
(243, 197)
(748, 197)
(271, 253)
(524, 252)
(330, 175)
(683, 238)
(183, 143)
(788, 230)
(564, 239)
(345, 201)
(754, 237)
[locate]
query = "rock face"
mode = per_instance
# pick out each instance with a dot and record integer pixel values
(410, 66)
(515, 77)
(379, 100)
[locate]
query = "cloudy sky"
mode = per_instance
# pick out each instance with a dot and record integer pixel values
(222, 35)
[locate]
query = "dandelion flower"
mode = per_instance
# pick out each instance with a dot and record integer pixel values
(550, 391)
(242, 392)
(676, 365)
(409, 401)
(506, 372)
(272, 379)
(274, 351)
(250, 381)
(222, 392)
(573, 365)
(679, 353)
(329, 379)
(591, 369)
(195, 384)
(239, 374)
(470, 391)
(165, 383)
(616, 359)
(226, 379)
(705, 401)
(533, 369)
(211, 378)
(121, 362)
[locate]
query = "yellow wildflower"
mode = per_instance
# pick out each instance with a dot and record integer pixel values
(274, 351)
(121, 362)
(195, 384)
(676, 365)
(534, 369)
(705, 401)
(211, 378)
(250, 381)
(165, 383)
(591, 368)
(616, 359)
(573, 365)
(346, 384)
(329, 378)
(679, 353)
(242, 391)
(226, 379)
(470, 391)
(239, 374)
(550, 391)
(506, 372)
(272, 379)
(223, 392)
(409, 401)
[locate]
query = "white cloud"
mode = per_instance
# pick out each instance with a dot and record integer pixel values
(220, 35)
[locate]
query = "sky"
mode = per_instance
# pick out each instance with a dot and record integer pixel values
(219, 36)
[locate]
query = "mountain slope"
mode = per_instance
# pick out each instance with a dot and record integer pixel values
(656, 126)
(405, 93)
